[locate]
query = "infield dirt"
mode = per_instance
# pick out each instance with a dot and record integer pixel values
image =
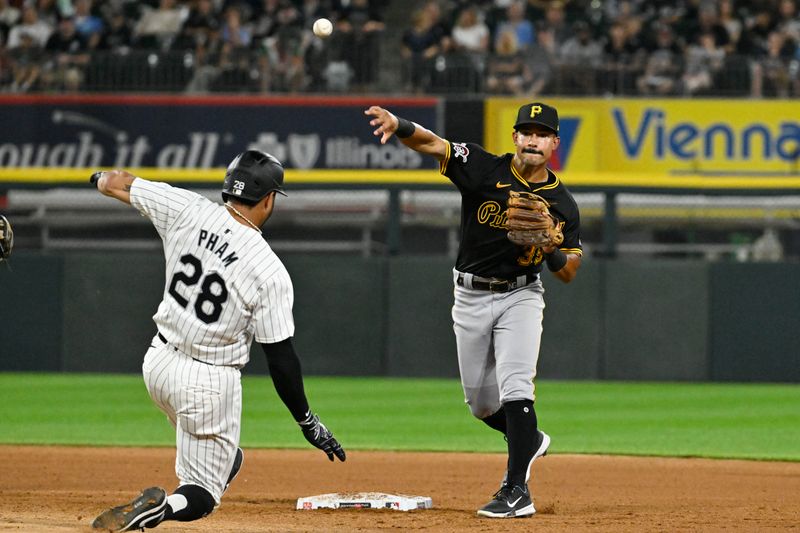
(61, 489)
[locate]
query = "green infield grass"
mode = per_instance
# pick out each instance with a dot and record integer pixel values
(749, 421)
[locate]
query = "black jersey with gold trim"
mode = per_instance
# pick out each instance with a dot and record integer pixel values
(485, 180)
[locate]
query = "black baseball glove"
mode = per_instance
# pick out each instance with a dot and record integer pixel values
(6, 238)
(320, 436)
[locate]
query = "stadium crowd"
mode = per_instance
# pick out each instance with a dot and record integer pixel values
(511, 47)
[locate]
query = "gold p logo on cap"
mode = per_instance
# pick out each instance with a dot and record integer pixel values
(535, 110)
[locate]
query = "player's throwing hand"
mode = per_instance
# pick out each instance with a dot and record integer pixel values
(385, 121)
(320, 436)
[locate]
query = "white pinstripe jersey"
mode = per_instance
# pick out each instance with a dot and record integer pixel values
(224, 285)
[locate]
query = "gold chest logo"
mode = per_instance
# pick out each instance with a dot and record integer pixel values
(493, 214)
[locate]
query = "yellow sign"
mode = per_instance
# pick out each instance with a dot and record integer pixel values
(666, 138)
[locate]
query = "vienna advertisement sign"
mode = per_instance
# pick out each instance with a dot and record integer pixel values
(667, 137)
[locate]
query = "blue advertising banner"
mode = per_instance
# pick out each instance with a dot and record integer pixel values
(181, 132)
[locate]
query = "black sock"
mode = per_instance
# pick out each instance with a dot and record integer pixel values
(497, 420)
(522, 436)
(199, 503)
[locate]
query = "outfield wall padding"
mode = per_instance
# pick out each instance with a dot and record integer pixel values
(656, 320)
(663, 320)
(421, 340)
(30, 312)
(572, 342)
(755, 322)
(109, 302)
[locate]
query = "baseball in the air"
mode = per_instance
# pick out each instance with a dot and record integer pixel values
(322, 27)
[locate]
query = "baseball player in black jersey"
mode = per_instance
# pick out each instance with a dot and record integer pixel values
(498, 308)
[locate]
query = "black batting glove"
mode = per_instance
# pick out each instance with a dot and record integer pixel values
(320, 436)
(95, 177)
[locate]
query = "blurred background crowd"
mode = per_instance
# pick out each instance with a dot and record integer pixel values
(505, 47)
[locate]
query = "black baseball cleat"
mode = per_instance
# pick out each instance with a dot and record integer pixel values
(147, 510)
(237, 465)
(509, 502)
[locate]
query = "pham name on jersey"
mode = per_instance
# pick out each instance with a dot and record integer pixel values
(211, 241)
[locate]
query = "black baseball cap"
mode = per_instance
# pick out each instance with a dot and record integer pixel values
(539, 114)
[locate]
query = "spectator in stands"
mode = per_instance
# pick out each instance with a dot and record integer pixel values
(201, 30)
(68, 57)
(6, 77)
(157, 28)
(556, 20)
(234, 58)
(360, 26)
(420, 44)
(515, 21)
(9, 15)
(704, 60)
(633, 32)
(285, 53)
(471, 36)
(508, 71)
(617, 11)
(265, 23)
(117, 36)
(26, 63)
(621, 63)
(31, 25)
(50, 12)
(789, 21)
(789, 26)
(663, 67)
(235, 36)
(707, 22)
(440, 25)
(771, 75)
(88, 26)
(753, 42)
(319, 55)
(581, 56)
(730, 20)
(541, 59)
(311, 10)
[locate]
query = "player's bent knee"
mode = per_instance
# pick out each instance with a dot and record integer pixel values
(483, 411)
(199, 503)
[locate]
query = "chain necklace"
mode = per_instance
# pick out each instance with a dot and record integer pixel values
(229, 206)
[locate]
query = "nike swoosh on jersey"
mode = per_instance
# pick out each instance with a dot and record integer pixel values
(512, 504)
(502, 185)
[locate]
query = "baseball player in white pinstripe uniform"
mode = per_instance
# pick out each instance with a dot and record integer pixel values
(224, 287)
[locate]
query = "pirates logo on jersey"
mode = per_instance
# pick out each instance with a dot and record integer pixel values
(461, 150)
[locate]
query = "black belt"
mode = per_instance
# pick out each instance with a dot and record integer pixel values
(164, 340)
(496, 284)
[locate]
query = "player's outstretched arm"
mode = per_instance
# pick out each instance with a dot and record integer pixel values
(411, 134)
(114, 183)
(287, 377)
